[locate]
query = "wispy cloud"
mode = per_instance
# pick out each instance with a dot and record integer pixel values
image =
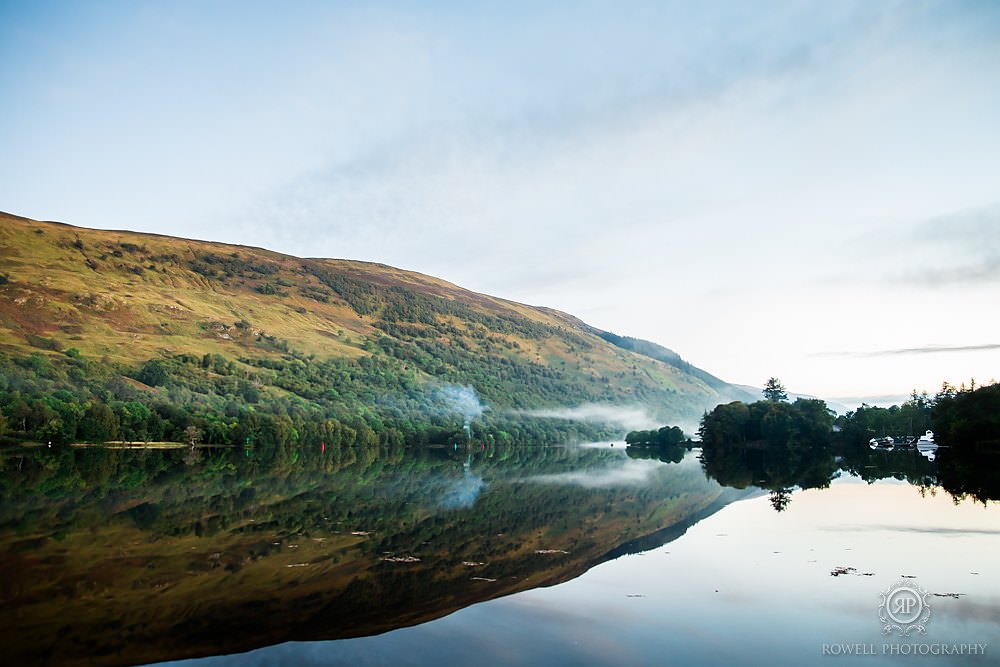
(984, 271)
(963, 249)
(925, 349)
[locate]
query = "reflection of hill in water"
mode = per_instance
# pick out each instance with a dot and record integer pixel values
(134, 556)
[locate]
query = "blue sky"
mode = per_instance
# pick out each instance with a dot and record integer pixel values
(807, 190)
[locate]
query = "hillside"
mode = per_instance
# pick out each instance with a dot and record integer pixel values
(162, 314)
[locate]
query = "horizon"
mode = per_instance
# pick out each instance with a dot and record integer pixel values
(795, 191)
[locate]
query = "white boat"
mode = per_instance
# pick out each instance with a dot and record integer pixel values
(926, 446)
(883, 442)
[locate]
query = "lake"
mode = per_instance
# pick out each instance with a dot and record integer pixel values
(582, 555)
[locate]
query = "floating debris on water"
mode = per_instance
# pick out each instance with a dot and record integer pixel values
(482, 579)
(837, 571)
(550, 551)
(360, 533)
(908, 576)
(298, 564)
(401, 559)
(469, 563)
(634, 595)
(954, 596)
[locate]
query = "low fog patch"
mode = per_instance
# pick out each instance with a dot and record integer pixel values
(629, 417)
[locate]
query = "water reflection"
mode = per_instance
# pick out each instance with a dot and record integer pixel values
(131, 556)
(780, 469)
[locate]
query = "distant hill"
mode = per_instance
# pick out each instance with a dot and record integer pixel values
(214, 315)
(729, 392)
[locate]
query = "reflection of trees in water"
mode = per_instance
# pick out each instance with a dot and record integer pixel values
(780, 498)
(969, 474)
(772, 467)
(312, 541)
(664, 453)
(962, 472)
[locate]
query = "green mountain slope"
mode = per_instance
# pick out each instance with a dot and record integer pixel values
(192, 321)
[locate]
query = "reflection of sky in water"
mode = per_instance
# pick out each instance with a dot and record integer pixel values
(747, 586)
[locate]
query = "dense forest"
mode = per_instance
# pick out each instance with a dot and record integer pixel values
(264, 403)
(777, 445)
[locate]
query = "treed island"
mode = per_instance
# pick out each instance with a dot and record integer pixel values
(777, 445)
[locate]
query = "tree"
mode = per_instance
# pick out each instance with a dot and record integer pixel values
(153, 373)
(98, 423)
(780, 498)
(192, 435)
(775, 391)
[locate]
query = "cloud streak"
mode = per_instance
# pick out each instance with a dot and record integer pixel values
(926, 349)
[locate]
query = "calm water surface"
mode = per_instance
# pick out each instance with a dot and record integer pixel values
(582, 556)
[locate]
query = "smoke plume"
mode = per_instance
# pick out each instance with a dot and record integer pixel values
(461, 400)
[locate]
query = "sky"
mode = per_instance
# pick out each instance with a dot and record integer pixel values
(803, 190)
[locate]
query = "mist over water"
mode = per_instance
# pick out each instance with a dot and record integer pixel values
(631, 472)
(629, 417)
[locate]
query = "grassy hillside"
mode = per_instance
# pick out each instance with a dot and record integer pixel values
(120, 299)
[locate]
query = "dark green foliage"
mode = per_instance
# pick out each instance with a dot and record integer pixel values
(665, 436)
(153, 373)
(968, 419)
(911, 418)
(271, 403)
(803, 423)
(774, 390)
(228, 266)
